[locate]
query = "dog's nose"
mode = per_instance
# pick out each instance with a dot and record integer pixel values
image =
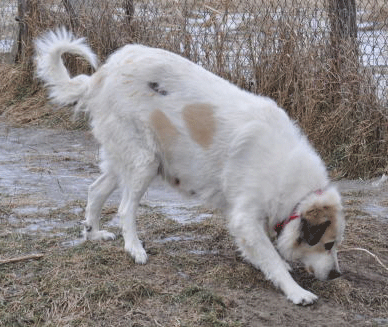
(329, 246)
(333, 274)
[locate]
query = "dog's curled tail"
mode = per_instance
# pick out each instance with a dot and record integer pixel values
(63, 89)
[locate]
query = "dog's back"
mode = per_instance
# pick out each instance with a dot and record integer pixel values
(197, 124)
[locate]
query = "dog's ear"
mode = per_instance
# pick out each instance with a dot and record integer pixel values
(310, 233)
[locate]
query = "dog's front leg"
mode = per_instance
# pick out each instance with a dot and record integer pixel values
(257, 248)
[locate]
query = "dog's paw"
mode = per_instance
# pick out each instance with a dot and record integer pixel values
(98, 235)
(302, 297)
(137, 252)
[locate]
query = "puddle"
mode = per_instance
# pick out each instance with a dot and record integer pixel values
(204, 252)
(376, 211)
(72, 243)
(183, 215)
(26, 211)
(370, 196)
(175, 239)
(48, 227)
(43, 171)
(162, 198)
(45, 165)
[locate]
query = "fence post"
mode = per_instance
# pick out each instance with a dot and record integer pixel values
(72, 14)
(344, 54)
(129, 9)
(343, 31)
(23, 32)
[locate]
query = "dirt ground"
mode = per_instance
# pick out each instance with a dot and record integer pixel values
(194, 276)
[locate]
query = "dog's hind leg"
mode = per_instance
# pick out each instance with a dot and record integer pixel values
(99, 192)
(137, 185)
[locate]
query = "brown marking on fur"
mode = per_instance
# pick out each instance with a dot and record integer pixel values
(164, 128)
(199, 119)
(319, 215)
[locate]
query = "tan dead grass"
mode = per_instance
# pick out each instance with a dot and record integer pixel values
(96, 283)
(24, 102)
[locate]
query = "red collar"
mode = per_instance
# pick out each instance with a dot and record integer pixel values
(279, 227)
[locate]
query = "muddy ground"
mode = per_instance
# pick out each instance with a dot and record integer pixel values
(194, 276)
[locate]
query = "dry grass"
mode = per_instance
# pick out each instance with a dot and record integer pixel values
(333, 98)
(23, 101)
(97, 284)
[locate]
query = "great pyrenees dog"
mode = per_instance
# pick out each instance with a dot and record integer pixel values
(156, 113)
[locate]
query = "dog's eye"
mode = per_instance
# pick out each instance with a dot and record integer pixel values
(329, 246)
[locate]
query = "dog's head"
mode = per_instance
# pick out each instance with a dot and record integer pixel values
(313, 238)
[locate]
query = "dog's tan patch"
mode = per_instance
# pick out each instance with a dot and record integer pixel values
(199, 119)
(164, 128)
(318, 216)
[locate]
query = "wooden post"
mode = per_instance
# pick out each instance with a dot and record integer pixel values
(343, 18)
(23, 32)
(344, 53)
(72, 14)
(343, 30)
(129, 10)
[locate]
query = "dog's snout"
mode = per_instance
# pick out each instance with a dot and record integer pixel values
(333, 274)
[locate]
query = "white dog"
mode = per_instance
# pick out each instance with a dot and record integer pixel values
(156, 113)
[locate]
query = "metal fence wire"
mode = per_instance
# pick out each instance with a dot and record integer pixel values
(229, 37)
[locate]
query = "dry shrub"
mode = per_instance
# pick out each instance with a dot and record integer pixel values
(23, 101)
(331, 96)
(253, 44)
(12, 78)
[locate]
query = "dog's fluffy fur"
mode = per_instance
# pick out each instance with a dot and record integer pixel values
(154, 112)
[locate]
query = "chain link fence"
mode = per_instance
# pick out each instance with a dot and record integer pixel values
(223, 33)
(8, 30)
(309, 55)
(224, 36)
